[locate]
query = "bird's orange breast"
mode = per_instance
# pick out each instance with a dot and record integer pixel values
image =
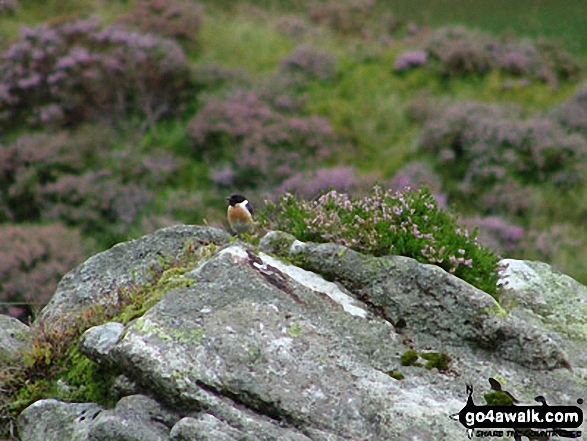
(238, 214)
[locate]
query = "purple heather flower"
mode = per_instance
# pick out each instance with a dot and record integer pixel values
(410, 60)
(30, 82)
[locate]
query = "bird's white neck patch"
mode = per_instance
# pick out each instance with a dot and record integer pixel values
(242, 204)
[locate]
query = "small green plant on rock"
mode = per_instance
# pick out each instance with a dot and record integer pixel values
(385, 222)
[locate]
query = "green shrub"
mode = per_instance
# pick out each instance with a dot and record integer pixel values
(383, 223)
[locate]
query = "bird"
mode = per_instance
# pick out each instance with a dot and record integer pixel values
(240, 214)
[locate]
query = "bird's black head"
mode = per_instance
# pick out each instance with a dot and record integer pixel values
(235, 199)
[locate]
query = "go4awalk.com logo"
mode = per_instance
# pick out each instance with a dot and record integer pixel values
(504, 416)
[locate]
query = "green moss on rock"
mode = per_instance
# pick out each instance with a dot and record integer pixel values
(409, 358)
(438, 360)
(498, 398)
(396, 375)
(87, 381)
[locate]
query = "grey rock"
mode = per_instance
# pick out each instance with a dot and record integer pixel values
(535, 291)
(52, 420)
(97, 342)
(146, 408)
(230, 421)
(433, 306)
(109, 426)
(112, 427)
(559, 300)
(204, 428)
(274, 336)
(256, 348)
(123, 386)
(247, 329)
(135, 418)
(95, 282)
(277, 243)
(14, 337)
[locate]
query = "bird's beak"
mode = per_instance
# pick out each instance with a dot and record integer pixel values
(227, 198)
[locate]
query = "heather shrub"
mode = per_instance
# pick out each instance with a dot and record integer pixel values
(559, 244)
(508, 197)
(33, 258)
(347, 17)
(457, 51)
(518, 57)
(383, 223)
(543, 60)
(310, 184)
(391, 24)
(479, 148)
(261, 144)
(292, 25)
(558, 63)
(167, 18)
(497, 233)
(285, 92)
(191, 206)
(222, 175)
(424, 107)
(432, 111)
(153, 169)
(30, 163)
(75, 71)
(8, 6)
(96, 201)
(548, 244)
(45, 178)
(415, 174)
(410, 59)
(573, 112)
(310, 63)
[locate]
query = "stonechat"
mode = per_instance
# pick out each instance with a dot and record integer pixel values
(240, 214)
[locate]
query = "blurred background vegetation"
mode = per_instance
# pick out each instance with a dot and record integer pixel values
(120, 117)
